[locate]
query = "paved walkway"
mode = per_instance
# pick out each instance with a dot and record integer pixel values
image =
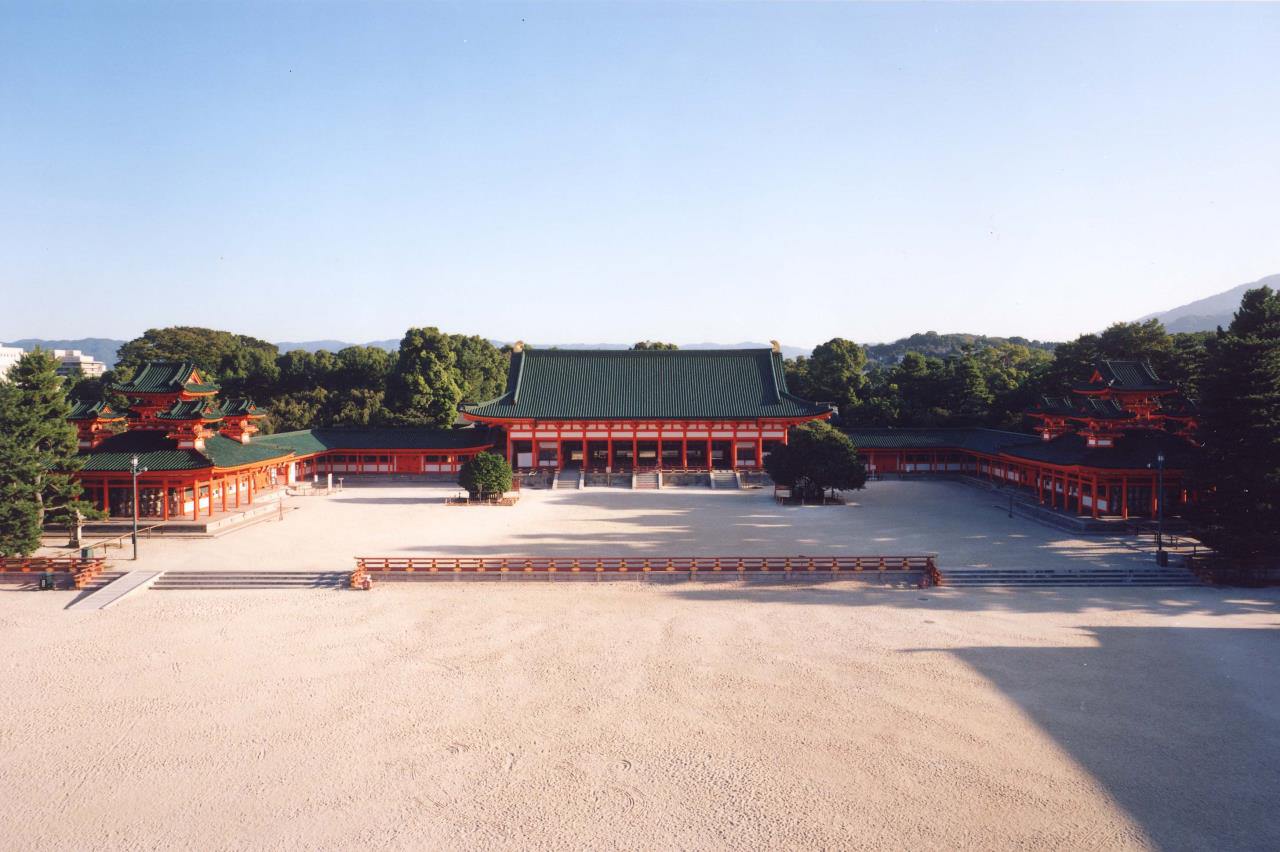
(112, 592)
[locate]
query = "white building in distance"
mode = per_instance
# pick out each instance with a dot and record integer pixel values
(9, 356)
(72, 362)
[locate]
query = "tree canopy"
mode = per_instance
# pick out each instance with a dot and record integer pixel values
(38, 452)
(817, 458)
(653, 344)
(485, 474)
(1238, 478)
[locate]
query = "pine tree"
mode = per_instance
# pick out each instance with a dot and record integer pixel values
(39, 422)
(19, 471)
(1238, 478)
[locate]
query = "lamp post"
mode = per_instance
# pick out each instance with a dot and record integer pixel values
(135, 470)
(1161, 559)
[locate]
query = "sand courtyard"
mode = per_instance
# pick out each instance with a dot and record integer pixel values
(636, 715)
(622, 716)
(967, 527)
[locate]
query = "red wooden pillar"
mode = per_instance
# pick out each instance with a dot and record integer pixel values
(1155, 498)
(164, 508)
(684, 452)
(710, 464)
(1093, 496)
(195, 499)
(584, 451)
(759, 451)
(559, 453)
(635, 450)
(224, 494)
(1124, 497)
(608, 460)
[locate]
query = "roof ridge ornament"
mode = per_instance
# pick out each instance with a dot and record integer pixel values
(777, 347)
(518, 346)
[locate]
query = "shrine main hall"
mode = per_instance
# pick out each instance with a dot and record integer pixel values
(1119, 445)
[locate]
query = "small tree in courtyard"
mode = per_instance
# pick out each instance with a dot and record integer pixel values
(485, 474)
(816, 459)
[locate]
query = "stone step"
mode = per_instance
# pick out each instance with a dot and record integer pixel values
(212, 580)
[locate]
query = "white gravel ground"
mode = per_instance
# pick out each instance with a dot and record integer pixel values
(965, 526)
(613, 716)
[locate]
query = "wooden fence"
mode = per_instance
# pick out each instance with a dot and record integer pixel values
(82, 571)
(368, 566)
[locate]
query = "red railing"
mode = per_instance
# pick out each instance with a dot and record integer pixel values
(366, 565)
(82, 571)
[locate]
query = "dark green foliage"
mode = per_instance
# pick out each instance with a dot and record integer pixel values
(482, 368)
(214, 352)
(943, 345)
(1238, 479)
(485, 474)
(654, 344)
(424, 389)
(835, 372)
(19, 471)
(816, 459)
(37, 453)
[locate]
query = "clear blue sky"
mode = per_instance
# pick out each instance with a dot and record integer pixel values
(616, 172)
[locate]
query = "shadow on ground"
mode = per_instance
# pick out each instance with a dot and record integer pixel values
(1180, 725)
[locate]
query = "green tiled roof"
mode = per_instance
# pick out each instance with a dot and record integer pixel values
(1132, 451)
(164, 377)
(224, 452)
(310, 441)
(87, 410)
(976, 439)
(588, 384)
(241, 407)
(1127, 375)
(192, 409)
(157, 453)
(154, 451)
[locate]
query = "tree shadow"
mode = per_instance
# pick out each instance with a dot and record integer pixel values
(1181, 725)
(1138, 600)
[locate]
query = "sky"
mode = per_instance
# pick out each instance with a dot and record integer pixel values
(583, 172)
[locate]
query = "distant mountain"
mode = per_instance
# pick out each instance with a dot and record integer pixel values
(1209, 313)
(334, 345)
(942, 345)
(393, 345)
(100, 348)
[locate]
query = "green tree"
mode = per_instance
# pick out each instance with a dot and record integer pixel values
(836, 372)
(213, 351)
(19, 471)
(816, 458)
(485, 474)
(36, 418)
(424, 389)
(482, 367)
(1238, 476)
(652, 345)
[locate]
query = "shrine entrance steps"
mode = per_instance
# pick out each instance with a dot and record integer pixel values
(1058, 577)
(724, 479)
(647, 479)
(568, 477)
(214, 580)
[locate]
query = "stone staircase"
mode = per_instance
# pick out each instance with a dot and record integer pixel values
(206, 580)
(645, 480)
(567, 478)
(1051, 577)
(724, 479)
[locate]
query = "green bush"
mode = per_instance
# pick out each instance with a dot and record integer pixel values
(485, 474)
